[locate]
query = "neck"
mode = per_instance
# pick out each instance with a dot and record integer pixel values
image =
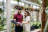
(19, 13)
(25, 16)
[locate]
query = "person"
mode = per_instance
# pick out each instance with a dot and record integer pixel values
(18, 17)
(27, 21)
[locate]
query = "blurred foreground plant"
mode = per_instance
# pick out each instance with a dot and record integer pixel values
(2, 19)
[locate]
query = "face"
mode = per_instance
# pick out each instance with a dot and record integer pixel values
(19, 11)
(25, 13)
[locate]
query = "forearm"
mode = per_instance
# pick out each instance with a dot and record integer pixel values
(14, 21)
(24, 22)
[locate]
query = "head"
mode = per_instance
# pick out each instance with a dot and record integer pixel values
(27, 13)
(19, 11)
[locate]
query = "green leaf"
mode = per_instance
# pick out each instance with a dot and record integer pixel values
(46, 2)
(1, 11)
(1, 28)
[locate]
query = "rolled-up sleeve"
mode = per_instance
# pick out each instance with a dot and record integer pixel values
(28, 18)
(15, 16)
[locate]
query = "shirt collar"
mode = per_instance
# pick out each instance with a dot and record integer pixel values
(18, 14)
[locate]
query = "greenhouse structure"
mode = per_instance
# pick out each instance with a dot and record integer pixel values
(38, 10)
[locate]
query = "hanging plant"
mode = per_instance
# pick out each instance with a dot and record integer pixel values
(22, 7)
(17, 0)
(1, 11)
(16, 6)
(26, 8)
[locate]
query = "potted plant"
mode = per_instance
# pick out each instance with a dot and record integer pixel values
(35, 25)
(32, 28)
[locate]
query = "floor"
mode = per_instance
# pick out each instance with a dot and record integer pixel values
(36, 30)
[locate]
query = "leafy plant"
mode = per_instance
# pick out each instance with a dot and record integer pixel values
(12, 15)
(1, 20)
(1, 28)
(47, 8)
(35, 24)
(46, 3)
(0, 17)
(1, 11)
(38, 24)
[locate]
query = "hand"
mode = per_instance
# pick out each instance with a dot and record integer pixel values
(23, 23)
(19, 23)
(16, 24)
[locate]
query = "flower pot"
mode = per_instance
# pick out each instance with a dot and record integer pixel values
(32, 28)
(35, 26)
(39, 25)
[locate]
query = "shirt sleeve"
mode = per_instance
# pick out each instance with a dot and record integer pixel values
(15, 16)
(28, 18)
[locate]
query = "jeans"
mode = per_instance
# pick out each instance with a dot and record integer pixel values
(18, 29)
(15, 28)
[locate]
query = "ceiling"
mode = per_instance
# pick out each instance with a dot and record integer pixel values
(35, 1)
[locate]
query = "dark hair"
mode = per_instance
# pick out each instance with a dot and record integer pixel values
(28, 13)
(19, 8)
